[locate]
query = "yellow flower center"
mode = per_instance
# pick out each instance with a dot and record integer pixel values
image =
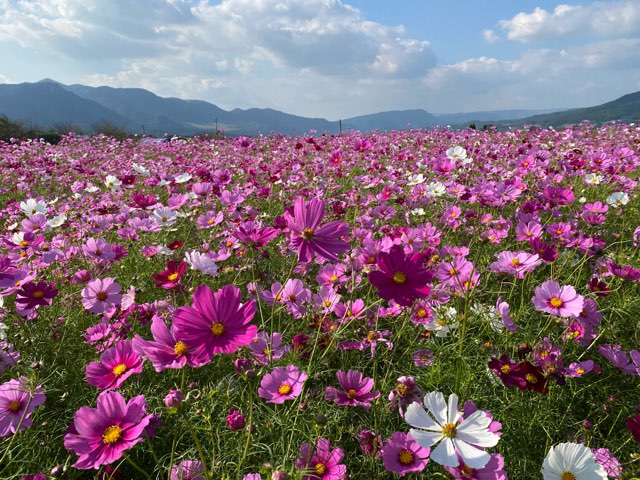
(402, 389)
(506, 369)
(421, 313)
(180, 348)
(399, 278)
(101, 296)
(119, 369)
(449, 430)
(405, 457)
(530, 378)
(38, 294)
(333, 278)
(580, 370)
(112, 434)
(307, 234)
(15, 406)
(24, 243)
(467, 471)
(217, 329)
(173, 276)
(320, 468)
(371, 336)
(284, 389)
(568, 476)
(327, 303)
(515, 262)
(352, 393)
(210, 221)
(555, 302)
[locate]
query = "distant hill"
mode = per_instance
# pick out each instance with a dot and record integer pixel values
(46, 104)
(393, 120)
(49, 104)
(624, 109)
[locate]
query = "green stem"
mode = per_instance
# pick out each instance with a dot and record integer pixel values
(248, 429)
(136, 466)
(199, 447)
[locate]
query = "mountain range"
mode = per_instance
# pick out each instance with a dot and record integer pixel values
(48, 104)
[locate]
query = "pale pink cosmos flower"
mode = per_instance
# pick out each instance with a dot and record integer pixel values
(560, 301)
(100, 294)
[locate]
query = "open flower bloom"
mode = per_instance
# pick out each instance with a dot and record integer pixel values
(17, 403)
(312, 239)
(321, 463)
(572, 461)
(116, 365)
(465, 439)
(99, 436)
(283, 383)
(401, 278)
(560, 301)
(216, 323)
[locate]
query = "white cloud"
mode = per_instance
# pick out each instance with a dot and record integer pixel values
(490, 36)
(600, 19)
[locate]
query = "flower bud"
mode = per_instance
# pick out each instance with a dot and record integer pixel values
(173, 399)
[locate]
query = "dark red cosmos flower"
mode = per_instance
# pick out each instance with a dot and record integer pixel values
(634, 427)
(598, 287)
(33, 294)
(508, 372)
(175, 245)
(170, 278)
(534, 377)
(400, 277)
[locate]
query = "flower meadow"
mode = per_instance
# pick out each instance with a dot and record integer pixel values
(426, 304)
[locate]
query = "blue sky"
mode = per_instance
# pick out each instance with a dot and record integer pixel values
(331, 58)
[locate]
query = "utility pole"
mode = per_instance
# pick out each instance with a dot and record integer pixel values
(340, 126)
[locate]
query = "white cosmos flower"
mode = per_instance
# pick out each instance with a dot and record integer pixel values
(57, 221)
(182, 178)
(593, 179)
(112, 182)
(457, 153)
(617, 199)
(201, 262)
(572, 461)
(455, 438)
(415, 180)
(32, 206)
(140, 169)
(164, 216)
(91, 188)
(436, 189)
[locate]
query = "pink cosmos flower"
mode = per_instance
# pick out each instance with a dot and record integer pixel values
(165, 351)
(34, 294)
(515, 263)
(98, 249)
(402, 455)
(265, 347)
(493, 470)
(116, 365)
(356, 390)
(283, 383)
(323, 463)
(17, 402)
(99, 295)
(217, 323)
(312, 239)
(188, 470)
(560, 301)
(400, 278)
(99, 436)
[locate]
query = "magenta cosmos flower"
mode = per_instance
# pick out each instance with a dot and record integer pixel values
(402, 455)
(216, 323)
(312, 239)
(17, 403)
(100, 435)
(283, 383)
(99, 295)
(401, 278)
(560, 301)
(116, 365)
(187, 470)
(164, 351)
(356, 390)
(323, 463)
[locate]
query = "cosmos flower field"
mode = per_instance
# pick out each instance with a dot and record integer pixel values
(427, 304)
